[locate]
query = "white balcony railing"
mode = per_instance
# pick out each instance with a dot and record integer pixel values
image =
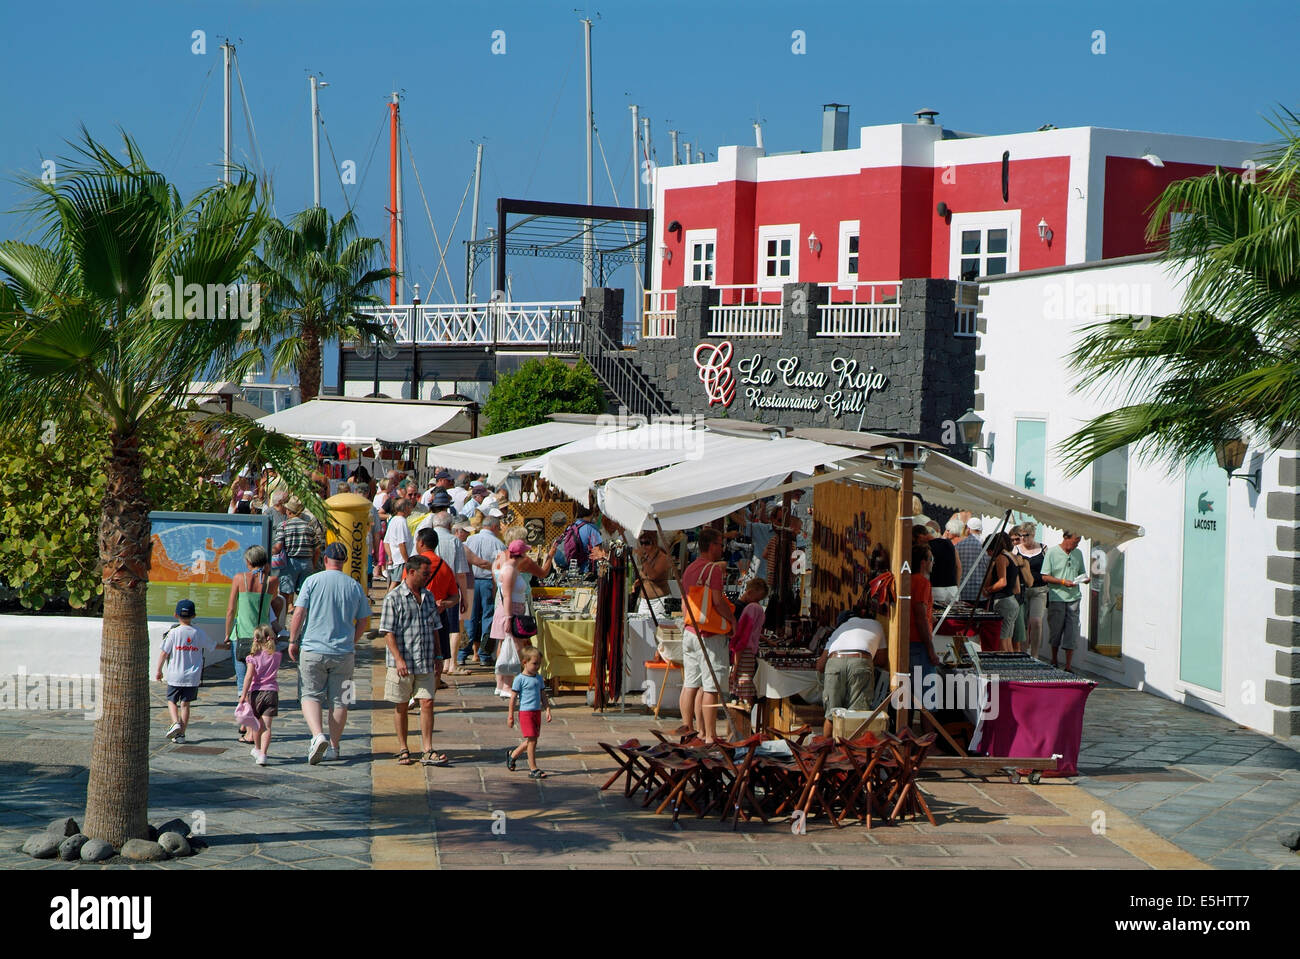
(967, 309)
(474, 324)
(659, 315)
(746, 310)
(860, 309)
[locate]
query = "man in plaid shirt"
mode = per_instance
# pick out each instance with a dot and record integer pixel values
(301, 547)
(410, 624)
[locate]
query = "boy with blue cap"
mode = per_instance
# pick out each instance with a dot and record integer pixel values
(182, 654)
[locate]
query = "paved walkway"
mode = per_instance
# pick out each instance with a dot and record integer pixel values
(1173, 788)
(287, 814)
(1216, 789)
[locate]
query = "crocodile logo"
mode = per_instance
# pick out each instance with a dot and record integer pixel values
(1030, 482)
(1204, 505)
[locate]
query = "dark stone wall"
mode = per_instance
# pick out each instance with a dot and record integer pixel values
(930, 372)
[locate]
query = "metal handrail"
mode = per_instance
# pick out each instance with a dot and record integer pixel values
(613, 367)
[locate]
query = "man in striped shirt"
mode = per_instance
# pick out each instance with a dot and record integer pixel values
(301, 546)
(409, 623)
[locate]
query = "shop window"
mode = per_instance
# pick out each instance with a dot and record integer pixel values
(1106, 609)
(984, 244)
(850, 238)
(778, 255)
(701, 256)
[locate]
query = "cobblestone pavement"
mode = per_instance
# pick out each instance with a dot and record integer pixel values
(1218, 790)
(1179, 789)
(287, 815)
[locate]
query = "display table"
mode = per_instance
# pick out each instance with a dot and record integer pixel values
(567, 648)
(987, 626)
(1039, 719)
(773, 683)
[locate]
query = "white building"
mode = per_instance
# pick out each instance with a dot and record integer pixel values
(1205, 608)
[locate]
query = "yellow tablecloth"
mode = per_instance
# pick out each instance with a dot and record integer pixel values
(567, 647)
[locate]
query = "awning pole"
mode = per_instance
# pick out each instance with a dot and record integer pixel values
(900, 659)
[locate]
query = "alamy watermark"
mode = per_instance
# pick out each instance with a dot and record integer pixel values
(208, 301)
(1085, 300)
(675, 433)
(35, 691)
(968, 691)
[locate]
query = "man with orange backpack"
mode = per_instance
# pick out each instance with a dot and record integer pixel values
(709, 621)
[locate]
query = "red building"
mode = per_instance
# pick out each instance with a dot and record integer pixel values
(917, 200)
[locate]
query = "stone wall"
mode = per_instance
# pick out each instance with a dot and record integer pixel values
(928, 372)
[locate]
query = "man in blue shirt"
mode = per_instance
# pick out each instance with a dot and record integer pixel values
(331, 615)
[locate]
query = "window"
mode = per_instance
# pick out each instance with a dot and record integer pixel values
(850, 233)
(984, 244)
(778, 254)
(1106, 563)
(701, 257)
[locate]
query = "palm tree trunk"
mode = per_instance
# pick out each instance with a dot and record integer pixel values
(309, 368)
(117, 796)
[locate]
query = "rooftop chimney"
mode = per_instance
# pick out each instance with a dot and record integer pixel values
(835, 126)
(926, 117)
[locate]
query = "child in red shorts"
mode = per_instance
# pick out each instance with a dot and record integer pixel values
(528, 695)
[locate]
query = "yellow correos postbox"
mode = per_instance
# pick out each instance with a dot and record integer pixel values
(352, 514)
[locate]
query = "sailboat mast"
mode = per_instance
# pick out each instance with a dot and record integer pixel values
(392, 199)
(227, 48)
(315, 144)
(400, 207)
(473, 227)
(591, 123)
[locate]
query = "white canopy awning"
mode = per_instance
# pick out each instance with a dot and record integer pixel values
(699, 491)
(576, 468)
(946, 482)
(488, 454)
(364, 422)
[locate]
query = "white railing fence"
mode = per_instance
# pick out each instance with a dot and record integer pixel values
(659, 315)
(470, 324)
(869, 308)
(746, 310)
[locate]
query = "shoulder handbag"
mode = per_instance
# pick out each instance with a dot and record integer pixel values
(705, 614)
(522, 626)
(244, 644)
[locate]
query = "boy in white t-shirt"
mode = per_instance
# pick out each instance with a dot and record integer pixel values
(182, 656)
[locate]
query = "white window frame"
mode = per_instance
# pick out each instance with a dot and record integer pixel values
(989, 220)
(849, 228)
(785, 231)
(692, 239)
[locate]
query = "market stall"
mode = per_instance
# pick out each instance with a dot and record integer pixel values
(491, 455)
(390, 434)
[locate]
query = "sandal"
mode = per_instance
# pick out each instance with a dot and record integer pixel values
(510, 760)
(537, 774)
(404, 758)
(432, 758)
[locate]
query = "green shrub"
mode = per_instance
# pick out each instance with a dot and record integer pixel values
(52, 493)
(538, 387)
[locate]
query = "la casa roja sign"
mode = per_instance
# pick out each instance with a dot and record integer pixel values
(844, 388)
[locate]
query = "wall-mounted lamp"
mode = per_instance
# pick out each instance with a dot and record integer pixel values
(943, 210)
(674, 227)
(971, 426)
(1044, 231)
(1230, 451)
(814, 244)
(666, 252)
(1153, 159)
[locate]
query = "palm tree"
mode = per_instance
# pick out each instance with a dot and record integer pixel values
(315, 273)
(87, 325)
(1228, 363)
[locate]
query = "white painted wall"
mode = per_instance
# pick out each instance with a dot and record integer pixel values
(1024, 375)
(69, 645)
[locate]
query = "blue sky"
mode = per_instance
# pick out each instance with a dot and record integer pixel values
(708, 69)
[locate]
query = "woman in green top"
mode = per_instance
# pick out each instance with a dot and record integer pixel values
(254, 601)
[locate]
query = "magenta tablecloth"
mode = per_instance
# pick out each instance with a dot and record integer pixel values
(1036, 720)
